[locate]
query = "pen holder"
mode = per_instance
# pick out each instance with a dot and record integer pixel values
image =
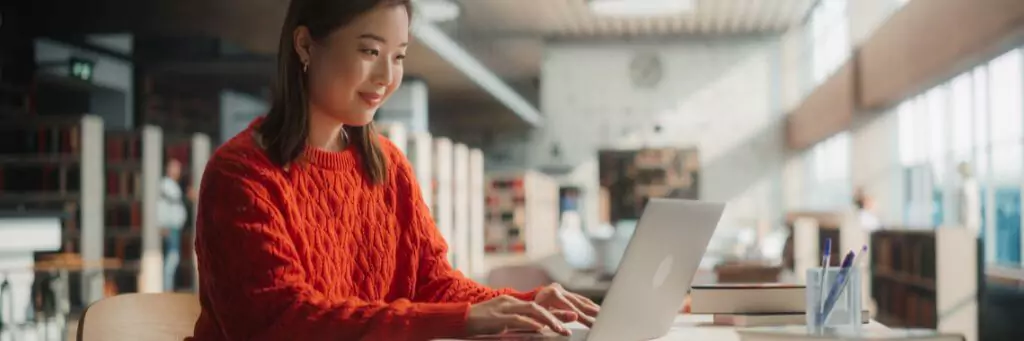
(846, 304)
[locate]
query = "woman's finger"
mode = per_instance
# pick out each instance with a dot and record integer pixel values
(518, 323)
(565, 316)
(581, 303)
(540, 315)
(587, 318)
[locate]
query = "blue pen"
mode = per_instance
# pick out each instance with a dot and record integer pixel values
(840, 284)
(826, 258)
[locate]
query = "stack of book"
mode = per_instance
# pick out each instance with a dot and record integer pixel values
(748, 305)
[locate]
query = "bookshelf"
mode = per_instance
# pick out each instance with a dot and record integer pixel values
(808, 233)
(134, 166)
(927, 279)
(56, 164)
(521, 214)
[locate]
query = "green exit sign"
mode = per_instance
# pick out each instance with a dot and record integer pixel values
(82, 69)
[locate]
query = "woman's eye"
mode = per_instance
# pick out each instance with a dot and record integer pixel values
(370, 52)
(400, 57)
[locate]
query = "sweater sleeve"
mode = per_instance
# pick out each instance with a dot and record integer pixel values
(253, 284)
(436, 280)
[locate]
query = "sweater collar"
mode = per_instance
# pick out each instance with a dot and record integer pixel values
(343, 159)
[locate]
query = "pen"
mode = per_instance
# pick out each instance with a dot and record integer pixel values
(826, 258)
(841, 282)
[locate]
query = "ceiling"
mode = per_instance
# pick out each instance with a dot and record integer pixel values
(507, 36)
(573, 18)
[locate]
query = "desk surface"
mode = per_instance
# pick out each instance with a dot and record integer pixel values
(698, 328)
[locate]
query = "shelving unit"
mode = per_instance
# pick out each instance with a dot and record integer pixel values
(927, 279)
(134, 164)
(521, 214)
(56, 164)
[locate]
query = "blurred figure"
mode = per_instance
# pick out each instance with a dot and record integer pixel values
(970, 199)
(172, 215)
(865, 211)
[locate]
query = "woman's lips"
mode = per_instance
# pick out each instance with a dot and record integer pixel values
(371, 98)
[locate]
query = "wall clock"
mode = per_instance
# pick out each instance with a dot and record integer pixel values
(646, 70)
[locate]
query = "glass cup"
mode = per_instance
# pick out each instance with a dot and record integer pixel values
(844, 308)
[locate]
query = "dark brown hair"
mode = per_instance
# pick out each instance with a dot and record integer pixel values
(286, 127)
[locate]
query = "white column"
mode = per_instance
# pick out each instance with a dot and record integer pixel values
(443, 211)
(201, 148)
(93, 191)
(477, 200)
(421, 156)
(461, 209)
(151, 275)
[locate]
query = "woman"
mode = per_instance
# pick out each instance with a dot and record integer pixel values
(311, 226)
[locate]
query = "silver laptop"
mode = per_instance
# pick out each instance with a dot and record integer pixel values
(654, 276)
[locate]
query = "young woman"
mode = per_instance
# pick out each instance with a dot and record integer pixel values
(311, 226)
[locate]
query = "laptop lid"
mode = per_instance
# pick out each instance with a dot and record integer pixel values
(657, 269)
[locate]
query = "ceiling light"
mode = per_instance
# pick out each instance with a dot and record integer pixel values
(640, 8)
(438, 10)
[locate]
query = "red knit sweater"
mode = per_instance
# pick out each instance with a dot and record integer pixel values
(317, 252)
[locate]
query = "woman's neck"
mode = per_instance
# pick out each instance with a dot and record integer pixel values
(325, 132)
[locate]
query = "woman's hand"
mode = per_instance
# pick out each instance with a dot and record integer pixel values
(554, 297)
(505, 313)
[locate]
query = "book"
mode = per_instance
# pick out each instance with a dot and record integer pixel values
(748, 298)
(801, 333)
(768, 319)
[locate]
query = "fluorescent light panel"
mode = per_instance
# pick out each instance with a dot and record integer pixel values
(640, 8)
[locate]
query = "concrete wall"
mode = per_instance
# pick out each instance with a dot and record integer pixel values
(719, 96)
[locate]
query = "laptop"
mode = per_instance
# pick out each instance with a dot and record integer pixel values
(654, 275)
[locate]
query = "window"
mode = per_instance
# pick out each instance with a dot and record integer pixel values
(961, 92)
(977, 117)
(830, 38)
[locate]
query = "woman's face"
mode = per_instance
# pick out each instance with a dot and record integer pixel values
(357, 67)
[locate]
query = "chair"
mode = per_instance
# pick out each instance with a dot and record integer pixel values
(136, 317)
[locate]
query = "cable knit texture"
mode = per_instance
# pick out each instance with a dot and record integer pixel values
(315, 251)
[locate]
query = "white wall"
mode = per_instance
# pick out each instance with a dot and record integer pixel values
(108, 72)
(719, 96)
(237, 110)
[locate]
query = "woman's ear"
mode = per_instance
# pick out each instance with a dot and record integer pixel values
(303, 43)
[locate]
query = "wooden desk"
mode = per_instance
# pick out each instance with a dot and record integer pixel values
(698, 328)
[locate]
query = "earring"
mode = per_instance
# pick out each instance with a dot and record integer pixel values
(305, 67)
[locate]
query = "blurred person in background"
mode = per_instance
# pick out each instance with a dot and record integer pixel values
(311, 226)
(969, 199)
(866, 211)
(172, 214)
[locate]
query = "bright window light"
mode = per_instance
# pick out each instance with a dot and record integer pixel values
(635, 8)
(438, 10)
